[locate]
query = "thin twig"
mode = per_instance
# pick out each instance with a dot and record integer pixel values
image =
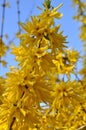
(3, 18)
(2, 24)
(12, 123)
(18, 11)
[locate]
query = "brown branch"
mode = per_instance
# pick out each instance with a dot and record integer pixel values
(18, 11)
(12, 123)
(3, 18)
(2, 24)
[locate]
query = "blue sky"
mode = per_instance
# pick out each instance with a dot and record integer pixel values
(27, 8)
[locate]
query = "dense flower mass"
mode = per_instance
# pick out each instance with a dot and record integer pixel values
(40, 93)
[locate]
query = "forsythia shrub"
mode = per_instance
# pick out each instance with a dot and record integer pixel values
(40, 93)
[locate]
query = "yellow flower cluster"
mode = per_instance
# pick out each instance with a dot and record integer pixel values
(81, 16)
(36, 97)
(3, 49)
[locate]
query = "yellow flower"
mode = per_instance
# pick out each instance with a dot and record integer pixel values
(3, 48)
(67, 94)
(51, 13)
